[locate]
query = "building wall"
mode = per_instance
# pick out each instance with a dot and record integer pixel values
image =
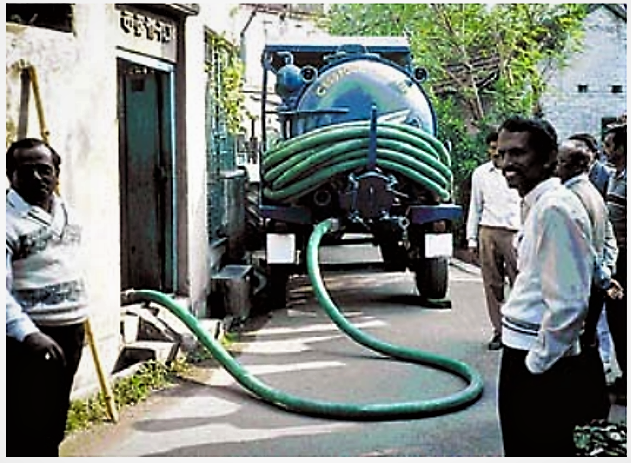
(77, 78)
(268, 25)
(264, 25)
(212, 17)
(601, 64)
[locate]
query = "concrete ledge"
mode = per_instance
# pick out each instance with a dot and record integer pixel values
(143, 351)
(169, 328)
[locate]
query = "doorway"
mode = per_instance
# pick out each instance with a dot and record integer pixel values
(147, 183)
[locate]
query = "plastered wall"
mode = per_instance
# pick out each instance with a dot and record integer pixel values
(76, 73)
(601, 64)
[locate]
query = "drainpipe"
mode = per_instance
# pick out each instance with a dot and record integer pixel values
(242, 33)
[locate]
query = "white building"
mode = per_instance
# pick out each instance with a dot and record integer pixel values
(591, 91)
(255, 24)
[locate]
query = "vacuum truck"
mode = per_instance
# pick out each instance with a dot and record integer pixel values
(355, 141)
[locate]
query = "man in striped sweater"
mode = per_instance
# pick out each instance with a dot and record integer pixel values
(46, 303)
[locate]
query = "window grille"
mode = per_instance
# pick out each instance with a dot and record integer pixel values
(55, 16)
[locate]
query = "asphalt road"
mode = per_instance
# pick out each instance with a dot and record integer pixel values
(300, 351)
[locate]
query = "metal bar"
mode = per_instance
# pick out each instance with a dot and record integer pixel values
(372, 142)
(426, 214)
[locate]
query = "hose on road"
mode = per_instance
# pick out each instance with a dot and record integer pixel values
(337, 410)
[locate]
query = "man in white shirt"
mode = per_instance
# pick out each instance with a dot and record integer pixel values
(493, 220)
(542, 319)
(573, 164)
(599, 174)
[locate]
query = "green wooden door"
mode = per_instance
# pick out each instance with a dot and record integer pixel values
(145, 169)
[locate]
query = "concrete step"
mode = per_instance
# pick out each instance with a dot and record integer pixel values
(144, 351)
(143, 323)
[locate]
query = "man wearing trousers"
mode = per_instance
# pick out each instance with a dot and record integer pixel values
(615, 145)
(46, 302)
(538, 402)
(493, 220)
(573, 164)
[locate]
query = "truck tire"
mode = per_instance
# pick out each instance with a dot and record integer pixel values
(432, 276)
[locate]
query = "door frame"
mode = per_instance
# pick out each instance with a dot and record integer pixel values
(168, 127)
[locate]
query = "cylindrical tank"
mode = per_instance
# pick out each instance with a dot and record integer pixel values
(355, 85)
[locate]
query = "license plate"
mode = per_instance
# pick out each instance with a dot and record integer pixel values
(281, 248)
(438, 245)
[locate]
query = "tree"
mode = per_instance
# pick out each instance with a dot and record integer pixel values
(475, 52)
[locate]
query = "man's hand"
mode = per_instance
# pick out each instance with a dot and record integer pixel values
(473, 253)
(615, 291)
(45, 347)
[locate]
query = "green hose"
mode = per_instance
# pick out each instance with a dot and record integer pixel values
(304, 163)
(300, 166)
(383, 411)
(307, 183)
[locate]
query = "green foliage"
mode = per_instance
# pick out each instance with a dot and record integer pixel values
(225, 73)
(232, 98)
(151, 376)
(471, 149)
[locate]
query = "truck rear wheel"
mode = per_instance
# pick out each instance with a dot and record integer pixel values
(431, 278)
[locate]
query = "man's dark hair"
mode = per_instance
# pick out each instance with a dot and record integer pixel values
(619, 136)
(27, 143)
(578, 154)
(543, 138)
(586, 138)
(491, 136)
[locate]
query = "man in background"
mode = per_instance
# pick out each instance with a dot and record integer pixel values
(574, 160)
(493, 220)
(599, 174)
(615, 148)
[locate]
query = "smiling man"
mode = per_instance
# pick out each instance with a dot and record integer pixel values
(544, 314)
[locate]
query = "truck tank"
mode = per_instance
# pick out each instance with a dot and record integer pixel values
(356, 142)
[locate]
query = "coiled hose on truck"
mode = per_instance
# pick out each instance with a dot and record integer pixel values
(346, 411)
(302, 164)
